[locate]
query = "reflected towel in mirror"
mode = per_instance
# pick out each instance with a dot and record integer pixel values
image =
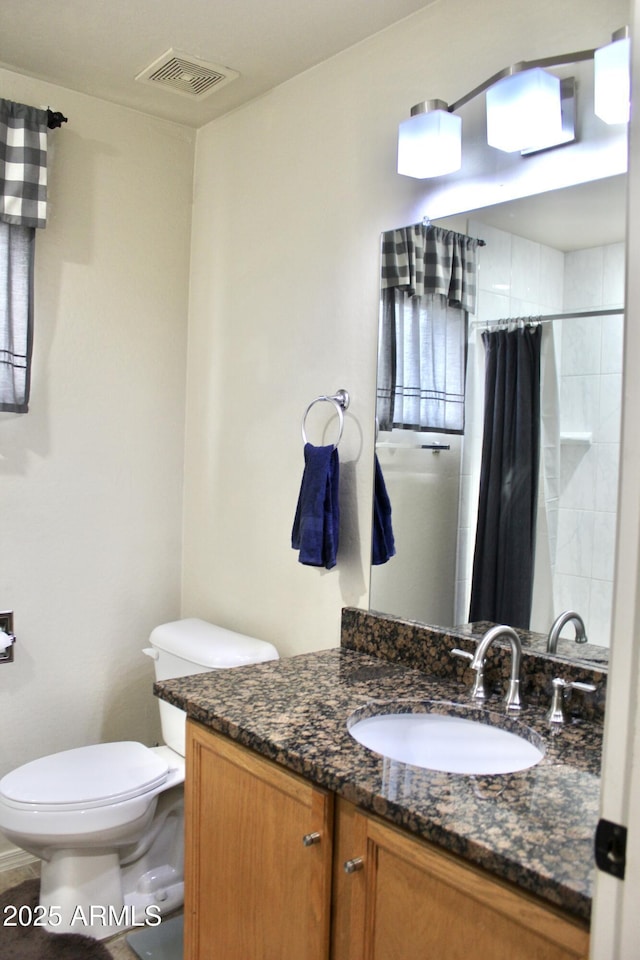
(383, 544)
(315, 527)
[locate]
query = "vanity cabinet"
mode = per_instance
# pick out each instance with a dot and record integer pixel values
(404, 899)
(265, 878)
(254, 890)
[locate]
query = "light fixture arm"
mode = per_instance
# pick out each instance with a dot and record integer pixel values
(519, 67)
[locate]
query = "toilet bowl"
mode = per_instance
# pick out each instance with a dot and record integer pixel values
(106, 820)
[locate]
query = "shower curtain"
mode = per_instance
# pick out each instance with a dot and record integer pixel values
(504, 555)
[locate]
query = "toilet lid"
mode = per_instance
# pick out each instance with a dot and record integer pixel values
(93, 776)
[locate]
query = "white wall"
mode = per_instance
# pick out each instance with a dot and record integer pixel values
(91, 477)
(291, 194)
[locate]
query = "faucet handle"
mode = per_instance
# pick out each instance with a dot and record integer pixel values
(578, 685)
(478, 692)
(561, 692)
(464, 654)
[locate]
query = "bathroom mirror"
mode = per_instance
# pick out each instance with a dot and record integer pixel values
(556, 253)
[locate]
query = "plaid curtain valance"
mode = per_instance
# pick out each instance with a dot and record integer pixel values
(23, 164)
(422, 259)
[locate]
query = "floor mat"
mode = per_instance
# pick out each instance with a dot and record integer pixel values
(22, 939)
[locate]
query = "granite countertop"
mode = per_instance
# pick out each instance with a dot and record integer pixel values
(534, 828)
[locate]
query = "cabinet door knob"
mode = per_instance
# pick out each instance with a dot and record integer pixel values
(350, 866)
(310, 838)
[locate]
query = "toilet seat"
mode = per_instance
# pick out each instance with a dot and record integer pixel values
(86, 777)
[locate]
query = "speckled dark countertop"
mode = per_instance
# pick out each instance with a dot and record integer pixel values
(534, 828)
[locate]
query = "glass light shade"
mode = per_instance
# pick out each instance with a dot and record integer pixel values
(429, 144)
(612, 81)
(524, 111)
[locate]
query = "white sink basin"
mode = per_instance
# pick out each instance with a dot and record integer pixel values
(452, 743)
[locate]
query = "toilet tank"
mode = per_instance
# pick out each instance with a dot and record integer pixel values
(190, 646)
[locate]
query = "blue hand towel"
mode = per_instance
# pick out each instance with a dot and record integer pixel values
(315, 527)
(383, 544)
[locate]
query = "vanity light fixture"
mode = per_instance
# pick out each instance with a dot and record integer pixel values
(430, 141)
(612, 82)
(528, 109)
(524, 111)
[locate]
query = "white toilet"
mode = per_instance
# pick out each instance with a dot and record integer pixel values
(107, 820)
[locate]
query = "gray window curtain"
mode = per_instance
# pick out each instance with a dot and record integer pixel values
(17, 245)
(428, 286)
(23, 209)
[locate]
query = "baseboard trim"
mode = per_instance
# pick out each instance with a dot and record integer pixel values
(15, 859)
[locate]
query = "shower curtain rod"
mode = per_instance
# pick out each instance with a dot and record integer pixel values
(548, 317)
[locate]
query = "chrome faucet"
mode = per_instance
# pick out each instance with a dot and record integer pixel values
(512, 699)
(569, 616)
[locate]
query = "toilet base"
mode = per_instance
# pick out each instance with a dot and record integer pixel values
(157, 894)
(83, 894)
(76, 887)
(103, 893)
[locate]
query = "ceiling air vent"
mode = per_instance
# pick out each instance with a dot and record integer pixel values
(187, 75)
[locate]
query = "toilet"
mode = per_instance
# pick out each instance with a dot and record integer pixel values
(107, 820)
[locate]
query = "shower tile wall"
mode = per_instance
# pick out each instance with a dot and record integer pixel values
(519, 277)
(590, 364)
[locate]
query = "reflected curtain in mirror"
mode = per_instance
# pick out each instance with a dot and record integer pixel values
(504, 555)
(428, 287)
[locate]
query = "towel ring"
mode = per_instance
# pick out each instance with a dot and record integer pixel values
(340, 401)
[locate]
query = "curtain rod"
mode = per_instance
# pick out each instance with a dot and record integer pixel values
(548, 317)
(426, 222)
(54, 119)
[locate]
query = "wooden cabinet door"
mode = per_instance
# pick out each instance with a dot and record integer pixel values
(410, 901)
(253, 889)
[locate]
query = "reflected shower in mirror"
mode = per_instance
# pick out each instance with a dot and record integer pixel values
(557, 256)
